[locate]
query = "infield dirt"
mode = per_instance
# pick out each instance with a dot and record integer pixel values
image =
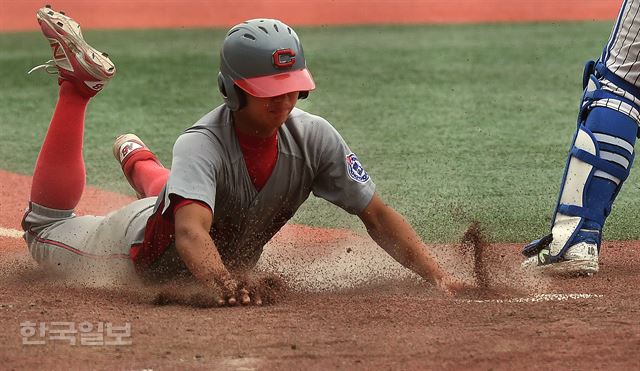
(348, 306)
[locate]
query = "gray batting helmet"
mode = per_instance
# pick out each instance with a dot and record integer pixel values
(264, 58)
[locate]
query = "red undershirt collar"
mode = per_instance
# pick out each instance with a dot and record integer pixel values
(260, 155)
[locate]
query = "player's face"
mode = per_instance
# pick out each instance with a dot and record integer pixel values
(265, 115)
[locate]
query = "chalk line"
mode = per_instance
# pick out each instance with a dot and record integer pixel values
(8, 232)
(539, 298)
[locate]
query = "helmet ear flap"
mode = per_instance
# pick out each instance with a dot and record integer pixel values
(303, 95)
(233, 96)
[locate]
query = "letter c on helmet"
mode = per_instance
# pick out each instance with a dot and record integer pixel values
(283, 58)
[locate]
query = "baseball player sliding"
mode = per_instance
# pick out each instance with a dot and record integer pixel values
(237, 175)
(601, 154)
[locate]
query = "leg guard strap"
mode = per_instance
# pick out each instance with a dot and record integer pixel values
(582, 212)
(601, 164)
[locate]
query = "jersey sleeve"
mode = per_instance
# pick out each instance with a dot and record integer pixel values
(193, 170)
(340, 177)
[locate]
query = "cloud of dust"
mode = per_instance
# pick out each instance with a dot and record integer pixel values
(351, 261)
(345, 263)
(309, 263)
(496, 267)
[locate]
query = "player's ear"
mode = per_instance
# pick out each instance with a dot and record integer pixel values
(233, 96)
(242, 97)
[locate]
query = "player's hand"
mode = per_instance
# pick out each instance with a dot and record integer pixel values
(233, 291)
(261, 288)
(225, 290)
(247, 289)
(249, 292)
(452, 285)
(247, 298)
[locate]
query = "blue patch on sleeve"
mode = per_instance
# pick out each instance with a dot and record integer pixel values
(355, 169)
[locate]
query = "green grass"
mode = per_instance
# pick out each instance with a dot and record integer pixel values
(454, 123)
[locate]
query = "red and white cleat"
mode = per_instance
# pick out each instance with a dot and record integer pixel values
(73, 59)
(127, 149)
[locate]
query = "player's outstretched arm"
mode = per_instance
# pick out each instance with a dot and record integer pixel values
(394, 234)
(200, 255)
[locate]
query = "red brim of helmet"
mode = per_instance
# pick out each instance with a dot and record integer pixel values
(274, 85)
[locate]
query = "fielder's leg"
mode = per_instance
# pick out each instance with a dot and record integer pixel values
(601, 156)
(599, 162)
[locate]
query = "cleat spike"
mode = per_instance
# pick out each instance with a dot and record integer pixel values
(48, 6)
(60, 24)
(62, 12)
(105, 54)
(50, 13)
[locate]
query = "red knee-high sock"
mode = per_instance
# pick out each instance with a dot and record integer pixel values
(149, 177)
(59, 174)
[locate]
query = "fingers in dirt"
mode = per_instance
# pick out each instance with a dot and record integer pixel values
(229, 287)
(245, 299)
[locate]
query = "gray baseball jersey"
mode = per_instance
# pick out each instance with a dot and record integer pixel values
(208, 166)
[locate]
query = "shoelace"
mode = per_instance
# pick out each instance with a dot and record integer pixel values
(49, 67)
